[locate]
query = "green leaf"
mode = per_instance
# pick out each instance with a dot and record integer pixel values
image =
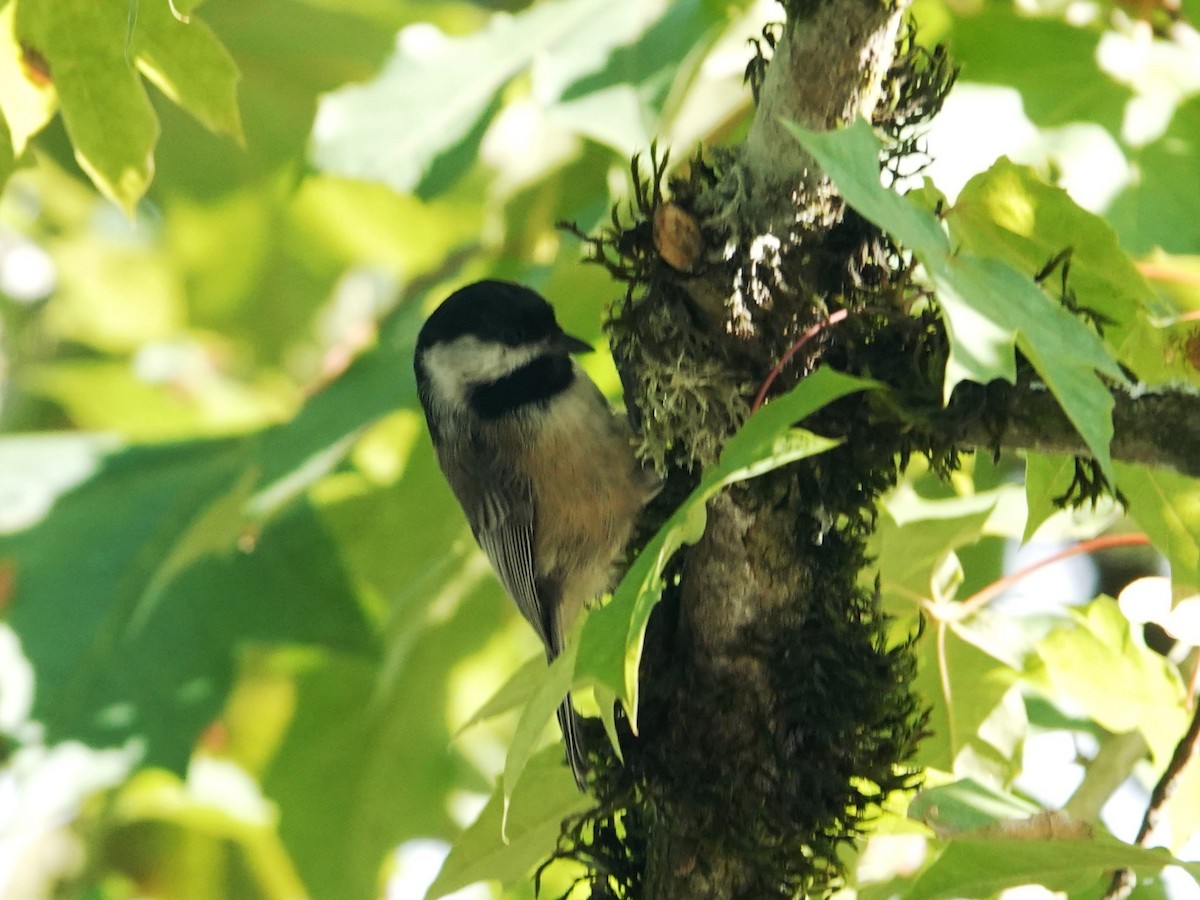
(614, 116)
(1047, 476)
(915, 535)
(611, 644)
(1153, 212)
(516, 692)
(552, 687)
(131, 629)
(437, 93)
(966, 805)
(1167, 507)
(189, 64)
(104, 104)
(990, 308)
(1009, 213)
(1104, 665)
(1052, 64)
(146, 650)
(984, 866)
(963, 685)
(620, 103)
(381, 726)
(379, 381)
(1183, 808)
(509, 839)
(8, 162)
(583, 59)
(982, 294)
(284, 71)
(850, 156)
(215, 529)
(24, 105)
(36, 469)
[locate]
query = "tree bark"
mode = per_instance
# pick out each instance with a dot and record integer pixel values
(735, 755)
(754, 566)
(1157, 428)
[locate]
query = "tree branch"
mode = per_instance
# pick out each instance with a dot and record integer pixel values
(755, 788)
(1124, 880)
(1160, 429)
(826, 71)
(775, 714)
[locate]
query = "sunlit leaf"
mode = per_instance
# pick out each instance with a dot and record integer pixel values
(104, 104)
(175, 563)
(915, 534)
(195, 838)
(510, 838)
(137, 640)
(377, 382)
(1009, 213)
(1103, 665)
(984, 866)
(990, 308)
(551, 688)
(189, 64)
(766, 441)
(107, 395)
(966, 805)
(1167, 507)
(1047, 477)
(1052, 63)
(1183, 808)
(26, 105)
(619, 102)
(285, 60)
(7, 161)
(983, 293)
(36, 469)
(513, 694)
(381, 728)
(114, 295)
(438, 92)
(613, 116)
(1154, 211)
(963, 686)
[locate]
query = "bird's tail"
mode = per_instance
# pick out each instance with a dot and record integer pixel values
(572, 729)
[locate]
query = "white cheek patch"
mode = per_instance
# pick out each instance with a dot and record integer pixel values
(455, 366)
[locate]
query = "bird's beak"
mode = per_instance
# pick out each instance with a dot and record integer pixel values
(568, 344)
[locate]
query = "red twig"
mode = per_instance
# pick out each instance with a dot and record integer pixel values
(812, 332)
(1166, 273)
(980, 599)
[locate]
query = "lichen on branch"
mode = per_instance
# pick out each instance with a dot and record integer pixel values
(777, 712)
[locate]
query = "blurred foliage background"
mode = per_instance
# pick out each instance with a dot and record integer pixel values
(244, 620)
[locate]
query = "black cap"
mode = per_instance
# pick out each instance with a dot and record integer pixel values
(500, 311)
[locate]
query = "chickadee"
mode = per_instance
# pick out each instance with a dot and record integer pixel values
(543, 469)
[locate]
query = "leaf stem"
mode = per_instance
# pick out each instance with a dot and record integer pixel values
(1166, 273)
(944, 678)
(982, 598)
(808, 335)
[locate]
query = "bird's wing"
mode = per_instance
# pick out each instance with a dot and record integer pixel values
(501, 512)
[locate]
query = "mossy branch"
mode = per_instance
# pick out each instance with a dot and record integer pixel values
(777, 710)
(1160, 429)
